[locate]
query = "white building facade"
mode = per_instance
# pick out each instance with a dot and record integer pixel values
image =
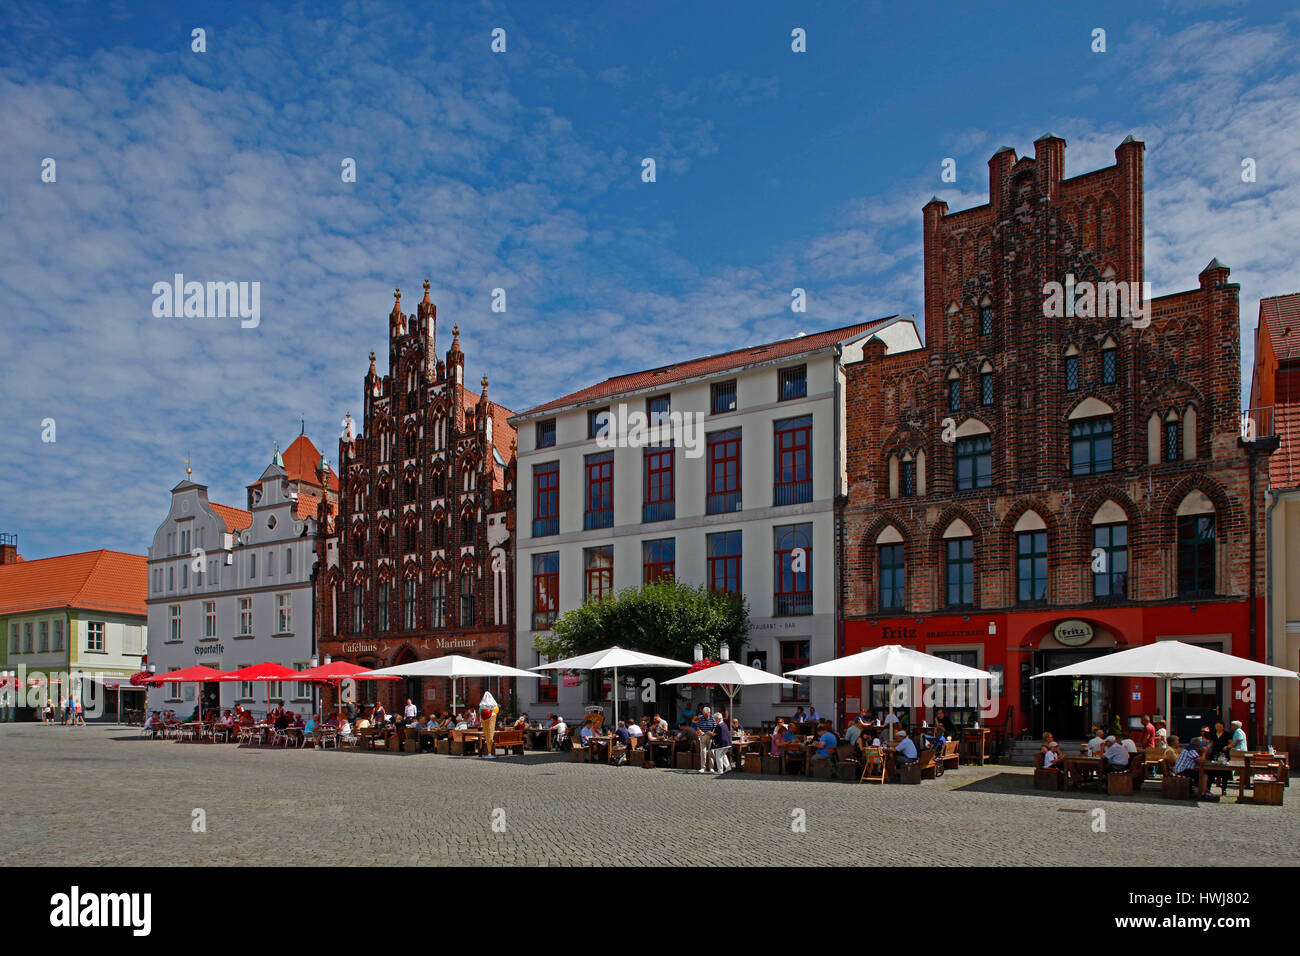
(743, 500)
(231, 587)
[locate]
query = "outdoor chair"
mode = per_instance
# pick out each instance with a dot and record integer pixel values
(1047, 778)
(926, 762)
(845, 761)
(580, 753)
(950, 759)
(873, 765)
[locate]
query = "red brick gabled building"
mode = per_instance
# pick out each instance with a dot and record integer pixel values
(1041, 483)
(418, 561)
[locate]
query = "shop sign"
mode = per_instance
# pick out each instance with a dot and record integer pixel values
(1073, 633)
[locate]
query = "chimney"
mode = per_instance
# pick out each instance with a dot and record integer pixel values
(1049, 156)
(999, 172)
(9, 549)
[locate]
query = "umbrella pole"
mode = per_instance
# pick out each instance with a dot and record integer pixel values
(615, 690)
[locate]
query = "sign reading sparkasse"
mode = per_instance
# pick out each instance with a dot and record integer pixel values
(1073, 633)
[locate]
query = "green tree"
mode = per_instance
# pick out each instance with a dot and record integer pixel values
(667, 618)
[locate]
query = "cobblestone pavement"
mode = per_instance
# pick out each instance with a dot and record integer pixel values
(106, 796)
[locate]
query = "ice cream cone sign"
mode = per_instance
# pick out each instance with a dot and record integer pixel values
(487, 711)
(487, 706)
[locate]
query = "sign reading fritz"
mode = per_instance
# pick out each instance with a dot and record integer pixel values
(1073, 633)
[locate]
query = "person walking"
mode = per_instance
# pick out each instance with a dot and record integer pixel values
(721, 748)
(706, 725)
(81, 716)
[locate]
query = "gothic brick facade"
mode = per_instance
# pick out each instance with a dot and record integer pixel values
(419, 560)
(995, 461)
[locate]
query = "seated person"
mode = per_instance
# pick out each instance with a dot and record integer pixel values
(799, 717)
(854, 732)
(781, 735)
(1097, 744)
(1202, 738)
(586, 733)
(522, 722)
(227, 720)
(1191, 764)
(298, 721)
(281, 720)
(1052, 755)
(1117, 756)
(812, 716)
(1128, 744)
(826, 741)
(1171, 751)
(622, 733)
(363, 723)
(634, 729)
(561, 733)
(309, 726)
(659, 725)
(686, 732)
(904, 749)
(462, 722)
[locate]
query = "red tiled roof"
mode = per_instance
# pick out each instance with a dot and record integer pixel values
(94, 581)
(306, 506)
(710, 365)
(236, 519)
(300, 460)
(1281, 315)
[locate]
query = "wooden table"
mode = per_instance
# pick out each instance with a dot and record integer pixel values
(1078, 766)
(738, 748)
(974, 743)
(544, 734)
(1237, 767)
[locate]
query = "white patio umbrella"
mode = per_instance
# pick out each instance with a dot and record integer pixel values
(611, 657)
(1170, 661)
(890, 661)
(730, 676)
(453, 666)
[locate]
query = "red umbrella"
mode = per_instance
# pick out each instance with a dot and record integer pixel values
(265, 671)
(198, 674)
(335, 672)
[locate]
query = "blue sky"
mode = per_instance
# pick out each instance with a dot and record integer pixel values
(521, 170)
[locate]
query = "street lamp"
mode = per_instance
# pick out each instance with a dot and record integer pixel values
(699, 652)
(724, 652)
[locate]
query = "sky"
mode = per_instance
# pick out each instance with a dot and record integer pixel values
(523, 170)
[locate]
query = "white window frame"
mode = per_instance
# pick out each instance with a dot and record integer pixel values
(284, 613)
(93, 628)
(245, 617)
(209, 619)
(173, 624)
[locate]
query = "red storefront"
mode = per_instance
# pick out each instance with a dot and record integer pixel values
(1014, 646)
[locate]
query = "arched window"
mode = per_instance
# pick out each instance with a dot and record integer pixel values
(1110, 552)
(954, 390)
(1189, 433)
(986, 316)
(959, 565)
(986, 384)
(1196, 545)
(381, 624)
(1109, 362)
(973, 456)
(1173, 437)
(1091, 438)
(411, 488)
(892, 562)
(1031, 558)
(1071, 369)
(412, 536)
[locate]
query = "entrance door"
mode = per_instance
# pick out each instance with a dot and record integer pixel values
(211, 697)
(1068, 707)
(414, 690)
(1195, 704)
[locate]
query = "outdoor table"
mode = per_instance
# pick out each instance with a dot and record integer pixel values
(1237, 767)
(544, 734)
(1078, 766)
(806, 746)
(468, 740)
(595, 742)
(738, 748)
(974, 743)
(670, 745)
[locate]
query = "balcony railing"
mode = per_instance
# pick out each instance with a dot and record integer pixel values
(800, 602)
(545, 526)
(792, 493)
(1257, 423)
(722, 502)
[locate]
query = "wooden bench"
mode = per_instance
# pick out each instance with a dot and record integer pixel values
(1047, 778)
(512, 741)
(1128, 780)
(950, 759)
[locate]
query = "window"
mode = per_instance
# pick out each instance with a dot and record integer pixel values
(660, 491)
(245, 617)
(358, 609)
(974, 462)
(954, 394)
(44, 644)
(598, 572)
(1072, 373)
(13, 639)
(724, 472)
(986, 388)
(658, 559)
(288, 561)
(171, 579)
(1196, 554)
(270, 563)
(546, 433)
(301, 689)
(548, 686)
(657, 410)
(185, 575)
(174, 689)
(174, 621)
(185, 542)
(961, 698)
(1110, 566)
(893, 577)
(209, 620)
(27, 639)
(284, 613)
(546, 499)
(792, 383)
(724, 555)
(1090, 446)
(986, 319)
(1031, 566)
(438, 603)
(597, 421)
(1109, 366)
(794, 654)
(722, 397)
(58, 635)
(252, 565)
(413, 536)
(94, 636)
(467, 600)
(599, 507)
(546, 590)
(960, 570)
(794, 592)
(907, 477)
(792, 442)
(1173, 439)
(409, 616)
(381, 617)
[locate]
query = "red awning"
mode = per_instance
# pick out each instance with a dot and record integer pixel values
(198, 674)
(336, 671)
(263, 671)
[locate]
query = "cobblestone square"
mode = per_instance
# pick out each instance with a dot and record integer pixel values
(95, 796)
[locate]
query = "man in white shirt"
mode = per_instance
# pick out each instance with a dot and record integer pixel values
(1096, 745)
(1116, 755)
(634, 729)
(410, 710)
(1128, 745)
(561, 732)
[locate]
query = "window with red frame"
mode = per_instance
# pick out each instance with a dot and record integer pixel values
(792, 441)
(548, 686)
(660, 502)
(546, 590)
(724, 472)
(794, 654)
(794, 593)
(659, 559)
(724, 551)
(546, 499)
(599, 510)
(598, 571)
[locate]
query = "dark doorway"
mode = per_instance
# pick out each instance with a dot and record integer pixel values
(211, 697)
(1068, 707)
(1195, 704)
